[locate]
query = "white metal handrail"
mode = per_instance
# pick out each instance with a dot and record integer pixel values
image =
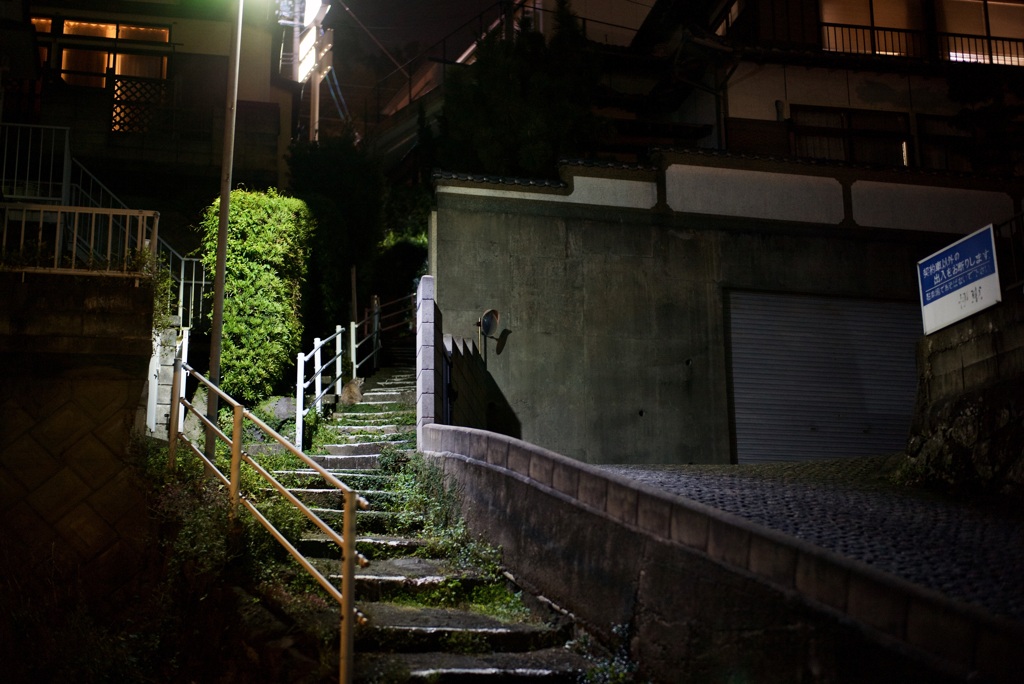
(371, 323)
(36, 163)
(352, 501)
(316, 378)
(80, 240)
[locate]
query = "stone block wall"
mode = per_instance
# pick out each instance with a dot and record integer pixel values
(968, 430)
(75, 351)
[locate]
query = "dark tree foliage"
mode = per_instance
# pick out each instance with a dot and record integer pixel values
(345, 190)
(523, 105)
(992, 115)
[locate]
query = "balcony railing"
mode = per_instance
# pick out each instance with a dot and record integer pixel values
(77, 240)
(908, 43)
(865, 40)
(958, 47)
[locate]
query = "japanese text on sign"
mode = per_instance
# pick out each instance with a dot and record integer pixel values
(967, 270)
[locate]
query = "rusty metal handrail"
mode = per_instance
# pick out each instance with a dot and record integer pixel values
(352, 501)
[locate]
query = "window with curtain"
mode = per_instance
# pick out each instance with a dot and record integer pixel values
(879, 138)
(91, 48)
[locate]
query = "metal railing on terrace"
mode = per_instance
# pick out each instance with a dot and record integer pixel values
(77, 240)
(38, 169)
(36, 163)
(346, 541)
(910, 43)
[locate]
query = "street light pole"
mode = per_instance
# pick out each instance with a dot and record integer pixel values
(227, 166)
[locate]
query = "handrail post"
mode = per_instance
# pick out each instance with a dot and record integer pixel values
(352, 347)
(376, 329)
(338, 349)
(172, 428)
(300, 377)
(317, 375)
(236, 461)
(348, 571)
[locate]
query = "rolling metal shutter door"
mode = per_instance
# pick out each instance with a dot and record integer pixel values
(818, 377)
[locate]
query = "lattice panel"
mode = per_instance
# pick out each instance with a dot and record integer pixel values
(135, 101)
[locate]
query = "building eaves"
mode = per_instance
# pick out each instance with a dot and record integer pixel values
(668, 156)
(593, 167)
(440, 175)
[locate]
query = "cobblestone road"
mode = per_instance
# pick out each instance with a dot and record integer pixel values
(969, 553)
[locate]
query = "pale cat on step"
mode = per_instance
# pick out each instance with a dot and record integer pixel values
(352, 392)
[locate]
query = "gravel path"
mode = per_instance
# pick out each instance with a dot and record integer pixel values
(851, 507)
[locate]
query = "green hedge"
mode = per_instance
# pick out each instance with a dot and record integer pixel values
(268, 242)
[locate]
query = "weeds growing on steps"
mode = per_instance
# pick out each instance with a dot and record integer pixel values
(426, 495)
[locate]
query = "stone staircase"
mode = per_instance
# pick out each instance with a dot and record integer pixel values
(429, 616)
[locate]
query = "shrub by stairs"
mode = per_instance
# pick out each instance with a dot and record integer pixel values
(437, 606)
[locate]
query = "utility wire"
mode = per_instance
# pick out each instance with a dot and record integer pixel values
(373, 38)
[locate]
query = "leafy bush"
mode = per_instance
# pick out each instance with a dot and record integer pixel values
(268, 238)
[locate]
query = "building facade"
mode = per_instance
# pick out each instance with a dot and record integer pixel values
(748, 293)
(142, 88)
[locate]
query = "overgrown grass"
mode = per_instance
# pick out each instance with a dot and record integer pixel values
(426, 495)
(179, 619)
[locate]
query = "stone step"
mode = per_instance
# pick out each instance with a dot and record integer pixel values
(379, 547)
(372, 429)
(329, 497)
(417, 629)
(554, 665)
(360, 479)
(383, 419)
(366, 448)
(375, 547)
(367, 522)
(346, 461)
(371, 411)
(407, 578)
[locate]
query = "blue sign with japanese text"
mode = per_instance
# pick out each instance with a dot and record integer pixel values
(959, 280)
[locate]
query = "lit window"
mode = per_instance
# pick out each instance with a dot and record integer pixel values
(87, 28)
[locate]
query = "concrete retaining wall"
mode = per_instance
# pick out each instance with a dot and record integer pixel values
(707, 596)
(620, 351)
(75, 354)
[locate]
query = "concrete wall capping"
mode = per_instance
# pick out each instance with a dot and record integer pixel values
(497, 450)
(822, 581)
(540, 469)
(728, 543)
(622, 503)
